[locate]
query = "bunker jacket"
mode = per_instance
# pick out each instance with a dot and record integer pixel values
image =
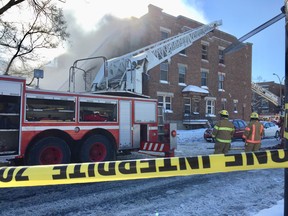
(223, 131)
(253, 132)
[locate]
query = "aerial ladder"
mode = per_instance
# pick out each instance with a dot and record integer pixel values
(266, 94)
(124, 73)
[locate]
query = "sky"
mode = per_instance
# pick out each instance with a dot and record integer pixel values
(238, 16)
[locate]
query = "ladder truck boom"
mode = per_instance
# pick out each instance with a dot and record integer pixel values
(266, 94)
(125, 72)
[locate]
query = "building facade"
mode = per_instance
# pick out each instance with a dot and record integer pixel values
(199, 81)
(195, 84)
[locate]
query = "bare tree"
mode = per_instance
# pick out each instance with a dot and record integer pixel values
(9, 4)
(19, 40)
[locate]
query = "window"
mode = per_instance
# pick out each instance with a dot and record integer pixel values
(204, 76)
(210, 106)
(221, 81)
(164, 33)
(164, 72)
(50, 108)
(221, 56)
(183, 52)
(187, 105)
(165, 102)
(204, 51)
(196, 105)
(242, 124)
(182, 71)
(161, 101)
(236, 124)
(168, 103)
(98, 111)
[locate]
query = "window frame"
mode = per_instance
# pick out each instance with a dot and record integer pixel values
(164, 68)
(204, 71)
(182, 73)
(221, 79)
(204, 51)
(185, 99)
(221, 55)
(210, 108)
(167, 105)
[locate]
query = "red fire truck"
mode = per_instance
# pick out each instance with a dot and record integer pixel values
(48, 127)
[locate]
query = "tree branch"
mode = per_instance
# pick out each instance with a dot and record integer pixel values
(10, 4)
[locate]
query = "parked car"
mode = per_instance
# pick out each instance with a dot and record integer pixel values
(239, 125)
(271, 129)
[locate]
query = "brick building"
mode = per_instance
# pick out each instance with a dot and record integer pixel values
(194, 85)
(213, 81)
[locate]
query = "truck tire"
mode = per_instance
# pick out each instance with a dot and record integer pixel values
(50, 150)
(97, 148)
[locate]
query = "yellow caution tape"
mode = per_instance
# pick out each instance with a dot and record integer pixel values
(139, 169)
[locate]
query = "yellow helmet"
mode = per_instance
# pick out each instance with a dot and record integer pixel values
(224, 113)
(254, 115)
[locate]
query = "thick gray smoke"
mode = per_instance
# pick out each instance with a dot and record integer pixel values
(113, 37)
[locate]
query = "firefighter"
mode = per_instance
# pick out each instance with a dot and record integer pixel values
(253, 133)
(222, 133)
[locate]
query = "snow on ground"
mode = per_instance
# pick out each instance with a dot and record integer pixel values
(196, 137)
(241, 193)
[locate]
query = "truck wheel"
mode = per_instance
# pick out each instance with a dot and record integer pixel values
(97, 148)
(50, 150)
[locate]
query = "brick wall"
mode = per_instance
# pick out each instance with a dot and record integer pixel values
(237, 67)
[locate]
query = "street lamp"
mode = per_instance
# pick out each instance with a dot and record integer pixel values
(280, 82)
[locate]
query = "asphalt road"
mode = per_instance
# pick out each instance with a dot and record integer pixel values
(233, 193)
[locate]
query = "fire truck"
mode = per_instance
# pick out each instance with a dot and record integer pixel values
(39, 127)
(48, 127)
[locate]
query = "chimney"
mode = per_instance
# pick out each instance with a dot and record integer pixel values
(154, 9)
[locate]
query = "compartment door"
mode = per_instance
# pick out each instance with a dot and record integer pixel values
(10, 117)
(125, 131)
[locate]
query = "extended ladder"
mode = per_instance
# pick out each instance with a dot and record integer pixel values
(125, 72)
(265, 94)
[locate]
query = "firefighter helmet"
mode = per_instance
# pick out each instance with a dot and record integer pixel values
(224, 113)
(254, 115)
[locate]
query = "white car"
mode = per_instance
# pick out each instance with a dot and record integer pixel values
(271, 129)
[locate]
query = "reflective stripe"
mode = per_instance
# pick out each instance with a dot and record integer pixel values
(247, 129)
(253, 132)
(223, 128)
(223, 141)
(252, 137)
(254, 141)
